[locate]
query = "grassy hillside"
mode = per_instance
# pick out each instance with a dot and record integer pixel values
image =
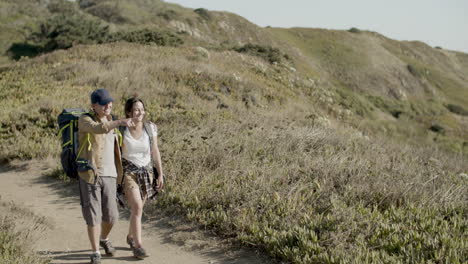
(252, 159)
(399, 88)
(315, 146)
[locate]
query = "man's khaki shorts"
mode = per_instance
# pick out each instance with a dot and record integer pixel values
(98, 201)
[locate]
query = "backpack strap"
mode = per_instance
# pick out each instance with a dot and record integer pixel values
(88, 140)
(149, 131)
(88, 137)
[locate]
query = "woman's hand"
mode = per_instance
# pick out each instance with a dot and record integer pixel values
(160, 183)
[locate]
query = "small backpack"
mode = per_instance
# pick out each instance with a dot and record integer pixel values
(68, 130)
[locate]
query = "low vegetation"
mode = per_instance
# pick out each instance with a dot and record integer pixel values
(456, 109)
(354, 30)
(19, 231)
(148, 36)
(203, 13)
(268, 53)
(276, 175)
(319, 146)
(73, 28)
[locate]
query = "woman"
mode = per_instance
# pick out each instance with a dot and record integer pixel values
(140, 154)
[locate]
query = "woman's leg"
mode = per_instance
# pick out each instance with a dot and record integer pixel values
(136, 205)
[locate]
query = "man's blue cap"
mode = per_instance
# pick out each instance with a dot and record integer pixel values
(101, 96)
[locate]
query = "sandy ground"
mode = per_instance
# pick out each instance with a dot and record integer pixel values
(167, 240)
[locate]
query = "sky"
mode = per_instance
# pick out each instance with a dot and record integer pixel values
(442, 23)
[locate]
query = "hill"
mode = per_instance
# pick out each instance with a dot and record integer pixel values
(316, 146)
(405, 90)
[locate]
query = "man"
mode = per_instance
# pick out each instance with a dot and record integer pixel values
(99, 166)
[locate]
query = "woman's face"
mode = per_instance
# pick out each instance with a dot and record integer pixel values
(138, 111)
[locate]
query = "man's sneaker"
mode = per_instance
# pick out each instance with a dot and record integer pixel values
(140, 253)
(95, 258)
(130, 242)
(106, 244)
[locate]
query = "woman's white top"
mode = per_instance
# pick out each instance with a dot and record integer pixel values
(137, 150)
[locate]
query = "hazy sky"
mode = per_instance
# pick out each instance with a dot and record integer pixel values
(441, 23)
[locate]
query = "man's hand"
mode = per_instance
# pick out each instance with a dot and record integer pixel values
(128, 122)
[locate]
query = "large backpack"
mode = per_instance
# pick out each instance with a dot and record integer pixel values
(68, 130)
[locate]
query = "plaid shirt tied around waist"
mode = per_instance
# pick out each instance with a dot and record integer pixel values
(143, 176)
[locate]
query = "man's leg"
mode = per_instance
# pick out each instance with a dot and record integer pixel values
(105, 230)
(93, 235)
(90, 195)
(109, 212)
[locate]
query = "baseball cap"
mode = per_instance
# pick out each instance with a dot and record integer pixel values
(101, 96)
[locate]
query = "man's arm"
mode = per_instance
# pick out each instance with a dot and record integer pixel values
(87, 124)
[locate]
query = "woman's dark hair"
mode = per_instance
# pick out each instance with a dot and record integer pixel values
(129, 105)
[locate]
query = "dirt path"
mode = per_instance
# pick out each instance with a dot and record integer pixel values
(67, 242)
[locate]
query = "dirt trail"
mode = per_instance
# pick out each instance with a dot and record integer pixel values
(67, 242)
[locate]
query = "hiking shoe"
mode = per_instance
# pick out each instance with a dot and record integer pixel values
(140, 253)
(130, 242)
(95, 258)
(106, 244)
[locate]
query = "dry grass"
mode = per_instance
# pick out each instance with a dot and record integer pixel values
(19, 231)
(250, 154)
(255, 152)
(308, 194)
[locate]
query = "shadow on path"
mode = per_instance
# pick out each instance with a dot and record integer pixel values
(9, 167)
(80, 256)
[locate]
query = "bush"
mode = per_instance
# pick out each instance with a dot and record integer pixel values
(18, 50)
(86, 3)
(60, 6)
(108, 11)
(268, 53)
(436, 128)
(456, 109)
(168, 15)
(204, 13)
(413, 70)
(148, 36)
(62, 32)
(354, 30)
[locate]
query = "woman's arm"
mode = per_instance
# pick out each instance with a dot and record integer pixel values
(157, 163)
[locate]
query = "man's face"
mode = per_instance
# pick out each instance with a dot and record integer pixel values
(102, 110)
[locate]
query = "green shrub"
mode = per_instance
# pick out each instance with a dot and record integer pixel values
(204, 13)
(436, 128)
(108, 11)
(61, 6)
(148, 36)
(354, 30)
(86, 3)
(62, 32)
(416, 71)
(18, 50)
(456, 109)
(168, 15)
(267, 53)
